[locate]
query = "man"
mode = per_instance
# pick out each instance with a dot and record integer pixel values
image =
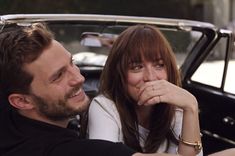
(41, 89)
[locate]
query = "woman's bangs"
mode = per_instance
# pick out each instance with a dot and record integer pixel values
(134, 52)
(151, 48)
(145, 45)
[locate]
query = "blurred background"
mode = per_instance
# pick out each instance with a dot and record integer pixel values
(219, 12)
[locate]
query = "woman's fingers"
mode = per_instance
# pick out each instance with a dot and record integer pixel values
(155, 92)
(150, 94)
(154, 100)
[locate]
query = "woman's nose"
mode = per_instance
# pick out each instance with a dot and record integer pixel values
(150, 74)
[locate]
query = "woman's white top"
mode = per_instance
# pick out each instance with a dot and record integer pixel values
(104, 123)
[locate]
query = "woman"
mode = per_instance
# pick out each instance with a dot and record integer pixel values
(141, 103)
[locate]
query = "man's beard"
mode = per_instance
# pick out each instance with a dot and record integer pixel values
(57, 110)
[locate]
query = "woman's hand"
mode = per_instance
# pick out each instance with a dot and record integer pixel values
(158, 91)
(154, 92)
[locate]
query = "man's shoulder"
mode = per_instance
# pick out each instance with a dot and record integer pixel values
(90, 147)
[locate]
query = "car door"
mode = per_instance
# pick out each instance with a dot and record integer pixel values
(212, 83)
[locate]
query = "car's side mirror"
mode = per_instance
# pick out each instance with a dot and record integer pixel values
(93, 39)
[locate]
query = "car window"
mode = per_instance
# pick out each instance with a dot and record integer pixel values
(71, 35)
(229, 82)
(210, 72)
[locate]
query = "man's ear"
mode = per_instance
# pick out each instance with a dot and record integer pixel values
(20, 101)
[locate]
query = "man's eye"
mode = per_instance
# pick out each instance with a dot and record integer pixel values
(57, 76)
(72, 62)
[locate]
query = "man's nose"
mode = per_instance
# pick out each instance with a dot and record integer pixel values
(75, 77)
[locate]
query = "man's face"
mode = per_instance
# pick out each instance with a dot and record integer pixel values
(56, 88)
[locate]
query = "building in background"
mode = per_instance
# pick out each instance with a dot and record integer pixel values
(219, 12)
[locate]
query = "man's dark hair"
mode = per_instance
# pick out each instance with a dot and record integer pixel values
(20, 45)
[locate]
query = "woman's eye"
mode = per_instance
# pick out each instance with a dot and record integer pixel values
(159, 65)
(135, 67)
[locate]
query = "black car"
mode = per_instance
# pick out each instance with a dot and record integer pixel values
(204, 55)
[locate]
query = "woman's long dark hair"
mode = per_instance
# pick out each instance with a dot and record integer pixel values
(134, 44)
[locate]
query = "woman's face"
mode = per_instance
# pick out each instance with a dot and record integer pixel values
(139, 73)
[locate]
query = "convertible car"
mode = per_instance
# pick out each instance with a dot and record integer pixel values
(204, 54)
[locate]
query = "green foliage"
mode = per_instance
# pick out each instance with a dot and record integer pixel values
(154, 8)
